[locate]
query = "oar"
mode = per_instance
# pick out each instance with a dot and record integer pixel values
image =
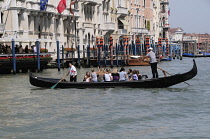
(171, 74)
(58, 82)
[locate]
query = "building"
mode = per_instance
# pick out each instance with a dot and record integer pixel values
(176, 34)
(89, 20)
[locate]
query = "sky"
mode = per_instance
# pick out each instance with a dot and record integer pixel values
(193, 16)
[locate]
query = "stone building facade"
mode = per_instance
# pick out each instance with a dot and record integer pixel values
(24, 22)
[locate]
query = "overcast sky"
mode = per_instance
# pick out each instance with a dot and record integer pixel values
(193, 16)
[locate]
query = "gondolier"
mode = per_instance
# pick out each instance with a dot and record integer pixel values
(153, 62)
(73, 73)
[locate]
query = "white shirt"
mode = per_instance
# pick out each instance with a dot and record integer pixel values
(122, 76)
(107, 77)
(72, 71)
(152, 56)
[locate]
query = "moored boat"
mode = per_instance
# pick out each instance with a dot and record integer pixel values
(138, 61)
(147, 83)
(200, 54)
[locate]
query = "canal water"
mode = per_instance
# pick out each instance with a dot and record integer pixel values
(180, 111)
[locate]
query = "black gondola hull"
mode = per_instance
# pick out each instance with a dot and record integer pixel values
(147, 83)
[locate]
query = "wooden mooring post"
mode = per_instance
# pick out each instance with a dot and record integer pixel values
(58, 55)
(38, 57)
(13, 57)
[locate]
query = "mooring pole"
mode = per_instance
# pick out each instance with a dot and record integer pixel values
(88, 56)
(38, 58)
(58, 55)
(117, 53)
(99, 56)
(13, 56)
(62, 56)
(78, 51)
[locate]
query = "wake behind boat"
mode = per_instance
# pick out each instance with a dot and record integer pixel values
(147, 83)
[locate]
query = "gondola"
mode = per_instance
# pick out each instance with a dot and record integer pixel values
(146, 83)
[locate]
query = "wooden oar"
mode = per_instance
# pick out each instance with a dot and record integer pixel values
(170, 74)
(58, 82)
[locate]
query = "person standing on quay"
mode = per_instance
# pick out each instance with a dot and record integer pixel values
(153, 62)
(73, 73)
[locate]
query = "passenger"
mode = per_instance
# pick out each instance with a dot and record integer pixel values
(108, 76)
(129, 74)
(123, 75)
(134, 75)
(139, 75)
(87, 77)
(94, 76)
(101, 75)
(115, 75)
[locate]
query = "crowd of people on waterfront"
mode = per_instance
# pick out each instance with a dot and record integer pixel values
(6, 49)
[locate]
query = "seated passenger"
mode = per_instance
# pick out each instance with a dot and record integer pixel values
(123, 75)
(87, 77)
(101, 75)
(139, 75)
(115, 75)
(108, 76)
(94, 76)
(129, 73)
(134, 75)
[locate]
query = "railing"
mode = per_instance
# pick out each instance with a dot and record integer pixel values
(88, 25)
(164, 2)
(166, 25)
(94, 2)
(109, 26)
(122, 31)
(140, 30)
(122, 10)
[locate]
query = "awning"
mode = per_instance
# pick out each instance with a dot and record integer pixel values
(124, 21)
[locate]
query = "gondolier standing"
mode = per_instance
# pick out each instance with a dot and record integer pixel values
(73, 73)
(153, 62)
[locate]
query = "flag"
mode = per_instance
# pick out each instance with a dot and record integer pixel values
(6, 5)
(61, 6)
(71, 10)
(169, 12)
(43, 5)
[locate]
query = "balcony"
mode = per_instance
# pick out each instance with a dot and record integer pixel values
(91, 2)
(122, 11)
(88, 25)
(109, 26)
(140, 30)
(35, 6)
(166, 26)
(164, 2)
(2, 28)
(122, 31)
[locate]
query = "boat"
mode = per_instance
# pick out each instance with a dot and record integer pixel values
(166, 58)
(138, 61)
(145, 83)
(200, 54)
